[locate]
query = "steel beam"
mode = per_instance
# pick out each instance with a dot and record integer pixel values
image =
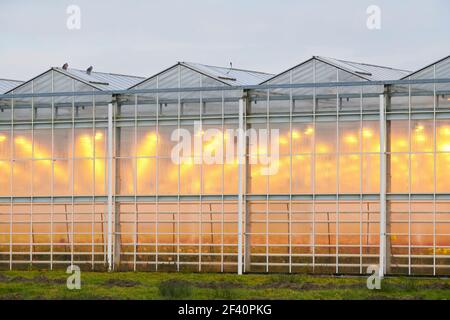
(241, 179)
(382, 248)
(110, 185)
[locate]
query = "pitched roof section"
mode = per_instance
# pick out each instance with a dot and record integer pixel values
(362, 71)
(230, 76)
(367, 71)
(442, 72)
(103, 81)
(6, 85)
(98, 80)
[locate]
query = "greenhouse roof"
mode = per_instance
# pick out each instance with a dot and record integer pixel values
(363, 71)
(6, 85)
(230, 76)
(98, 80)
(102, 80)
(367, 71)
(444, 69)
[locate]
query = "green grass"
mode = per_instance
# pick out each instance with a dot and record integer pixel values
(142, 285)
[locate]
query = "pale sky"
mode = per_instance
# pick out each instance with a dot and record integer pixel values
(144, 37)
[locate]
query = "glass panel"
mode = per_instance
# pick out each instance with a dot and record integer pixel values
(5, 177)
(42, 177)
(325, 137)
(62, 180)
(349, 173)
(62, 143)
(422, 173)
(371, 136)
(399, 136)
(167, 177)
(42, 144)
(126, 142)
(371, 174)
(5, 145)
(302, 138)
(422, 136)
(399, 173)
(22, 144)
(83, 177)
(22, 178)
(126, 176)
(212, 178)
(349, 137)
(326, 174)
(165, 143)
(301, 174)
(279, 179)
(190, 177)
(146, 176)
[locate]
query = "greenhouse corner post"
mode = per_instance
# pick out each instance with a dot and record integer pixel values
(241, 157)
(382, 187)
(110, 182)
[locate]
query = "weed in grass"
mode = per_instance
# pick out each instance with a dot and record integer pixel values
(175, 289)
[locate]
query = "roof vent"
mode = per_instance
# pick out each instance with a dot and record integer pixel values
(227, 78)
(65, 66)
(364, 73)
(89, 70)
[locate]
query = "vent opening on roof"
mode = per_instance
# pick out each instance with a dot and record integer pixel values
(100, 83)
(227, 78)
(364, 73)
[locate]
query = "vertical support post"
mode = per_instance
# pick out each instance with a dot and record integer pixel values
(110, 185)
(383, 179)
(246, 186)
(241, 160)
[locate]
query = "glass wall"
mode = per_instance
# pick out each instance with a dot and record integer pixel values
(177, 216)
(53, 176)
(316, 210)
(418, 157)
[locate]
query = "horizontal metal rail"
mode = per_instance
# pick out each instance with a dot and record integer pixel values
(229, 88)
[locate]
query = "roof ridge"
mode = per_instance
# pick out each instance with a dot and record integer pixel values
(237, 69)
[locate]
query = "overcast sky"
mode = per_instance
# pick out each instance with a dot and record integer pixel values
(143, 37)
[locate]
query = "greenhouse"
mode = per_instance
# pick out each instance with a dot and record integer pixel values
(88, 178)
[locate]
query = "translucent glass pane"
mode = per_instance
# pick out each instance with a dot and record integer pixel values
(371, 174)
(326, 137)
(422, 173)
(399, 136)
(5, 145)
(62, 180)
(326, 172)
(42, 177)
(146, 176)
(422, 136)
(349, 137)
(371, 136)
(302, 174)
(302, 138)
(168, 177)
(23, 144)
(190, 177)
(399, 173)
(350, 173)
